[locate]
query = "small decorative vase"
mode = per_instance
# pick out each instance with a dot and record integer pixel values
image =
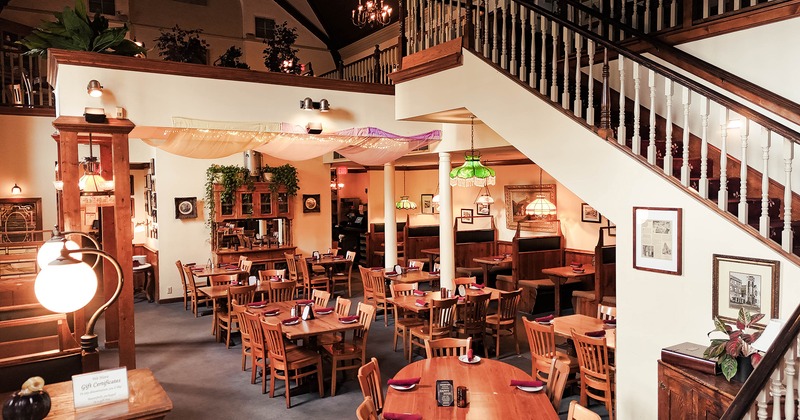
(743, 370)
(32, 402)
(266, 176)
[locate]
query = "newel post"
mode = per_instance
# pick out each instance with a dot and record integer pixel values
(376, 68)
(605, 130)
(468, 38)
(402, 41)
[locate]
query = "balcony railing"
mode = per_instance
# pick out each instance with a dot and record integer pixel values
(23, 79)
(374, 68)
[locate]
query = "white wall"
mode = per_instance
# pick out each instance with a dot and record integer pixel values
(655, 310)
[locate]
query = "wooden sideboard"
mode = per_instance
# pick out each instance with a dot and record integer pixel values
(689, 394)
(258, 254)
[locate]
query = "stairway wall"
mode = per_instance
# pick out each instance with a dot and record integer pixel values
(655, 310)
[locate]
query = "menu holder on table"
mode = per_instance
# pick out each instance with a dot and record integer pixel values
(445, 397)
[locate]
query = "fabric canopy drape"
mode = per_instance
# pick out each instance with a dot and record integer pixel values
(204, 139)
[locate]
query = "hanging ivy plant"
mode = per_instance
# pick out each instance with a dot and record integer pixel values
(285, 175)
(231, 177)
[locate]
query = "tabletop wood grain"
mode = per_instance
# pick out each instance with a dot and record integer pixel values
(563, 326)
(321, 324)
(413, 276)
(489, 392)
(410, 302)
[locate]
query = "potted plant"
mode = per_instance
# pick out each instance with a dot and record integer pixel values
(735, 349)
(182, 45)
(231, 59)
(231, 177)
(279, 56)
(285, 175)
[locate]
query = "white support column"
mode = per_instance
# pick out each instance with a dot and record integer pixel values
(447, 243)
(789, 374)
(543, 74)
(788, 156)
(722, 200)
(565, 92)
(590, 101)
(763, 221)
(745, 133)
(389, 218)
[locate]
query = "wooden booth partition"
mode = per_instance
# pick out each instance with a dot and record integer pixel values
(605, 280)
(375, 243)
(417, 238)
(476, 243)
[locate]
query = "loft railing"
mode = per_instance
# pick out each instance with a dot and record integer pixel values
(374, 68)
(23, 79)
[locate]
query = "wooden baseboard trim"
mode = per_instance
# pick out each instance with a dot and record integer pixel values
(170, 300)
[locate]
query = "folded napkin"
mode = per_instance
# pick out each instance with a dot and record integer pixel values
(575, 264)
(275, 278)
(547, 318)
(404, 382)
(422, 302)
(596, 334)
(290, 320)
(610, 321)
(348, 318)
(413, 269)
(323, 311)
(418, 292)
(327, 255)
(476, 286)
(304, 301)
(470, 355)
(400, 416)
(461, 298)
(259, 303)
(499, 258)
(578, 270)
(271, 312)
(517, 382)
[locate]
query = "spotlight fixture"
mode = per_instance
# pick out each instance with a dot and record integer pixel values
(95, 89)
(313, 128)
(308, 104)
(16, 190)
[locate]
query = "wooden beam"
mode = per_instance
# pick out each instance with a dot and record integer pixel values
(110, 279)
(124, 248)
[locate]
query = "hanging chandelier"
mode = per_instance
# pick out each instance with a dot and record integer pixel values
(435, 199)
(91, 183)
(371, 12)
(472, 172)
(405, 203)
(484, 196)
(541, 207)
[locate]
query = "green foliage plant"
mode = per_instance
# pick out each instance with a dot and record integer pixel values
(230, 58)
(74, 30)
(736, 344)
(231, 177)
(284, 175)
(279, 56)
(182, 45)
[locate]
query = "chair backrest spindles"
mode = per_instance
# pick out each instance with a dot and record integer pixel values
(369, 378)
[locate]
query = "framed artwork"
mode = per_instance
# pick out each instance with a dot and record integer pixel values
(311, 203)
(518, 197)
(482, 209)
(426, 201)
(749, 283)
(185, 207)
(466, 216)
(612, 228)
(657, 236)
(589, 214)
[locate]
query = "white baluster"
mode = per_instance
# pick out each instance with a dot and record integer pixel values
(775, 392)
(722, 200)
(486, 29)
(720, 7)
(673, 13)
(660, 15)
(788, 155)
(578, 104)
(623, 20)
(704, 111)
(495, 55)
(543, 75)
(745, 133)
(553, 83)
(635, 17)
(590, 99)
(789, 372)
(646, 16)
(621, 130)
(668, 146)
(504, 60)
(513, 51)
(706, 8)
(763, 221)
(737, 4)
(651, 147)
(476, 15)
(457, 19)
(761, 403)
(565, 92)
(636, 145)
(523, 54)
(686, 101)
(534, 25)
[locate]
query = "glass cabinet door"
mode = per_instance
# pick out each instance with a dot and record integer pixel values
(265, 203)
(226, 208)
(283, 203)
(246, 204)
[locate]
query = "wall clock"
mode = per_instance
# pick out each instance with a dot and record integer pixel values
(311, 203)
(185, 207)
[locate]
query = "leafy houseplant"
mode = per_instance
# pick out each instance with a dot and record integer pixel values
(74, 30)
(231, 177)
(736, 345)
(285, 175)
(182, 45)
(231, 59)
(279, 56)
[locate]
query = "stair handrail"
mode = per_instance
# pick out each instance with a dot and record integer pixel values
(746, 89)
(741, 109)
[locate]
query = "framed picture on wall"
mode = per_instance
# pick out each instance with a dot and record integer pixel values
(745, 283)
(185, 207)
(311, 203)
(657, 236)
(612, 228)
(519, 196)
(466, 216)
(482, 209)
(426, 201)
(589, 214)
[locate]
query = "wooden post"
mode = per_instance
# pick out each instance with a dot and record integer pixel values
(402, 41)
(376, 64)
(468, 39)
(109, 241)
(605, 130)
(688, 12)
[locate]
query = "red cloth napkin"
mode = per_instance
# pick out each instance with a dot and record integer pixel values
(461, 298)
(263, 302)
(610, 321)
(323, 311)
(422, 302)
(476, 285)
(470, 355)
(275, 278)
(575, 264)
(547, 318)
(304, 301)
(596, 334)
(348, 318)
(398, 416)
(517, 382)
(417, 292)
(290, 320)
(272, 312)
(404, 382)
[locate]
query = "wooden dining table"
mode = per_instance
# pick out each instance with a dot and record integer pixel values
(214, 271)
(432, 253)
(215, 293)
(410, 302)
(563, 275)
(490, 395)
(308, 329)
(582, 324)
(412, 276)
(491, 261)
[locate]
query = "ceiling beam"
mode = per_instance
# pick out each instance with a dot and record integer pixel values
(303, 20)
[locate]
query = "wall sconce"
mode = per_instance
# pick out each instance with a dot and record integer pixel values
(94, 89)
(308, 104)
(16, 190)
(314, 128)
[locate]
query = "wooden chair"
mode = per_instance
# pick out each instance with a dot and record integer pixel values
(320, 298)
(197, 298)
(342, 308)
(258, 349)
(596, 372)
(366, 281)
(267, 275)
(226, 319)
(471, 320)
(416, 264)
(350, 355)
(342, 278)
(465, 281)
(504, 322)
(288, 364)
(441, 315)
(223, 279)
(245, 265)
(281, 291)
(542, 342)
(369, 379)
(187, 299)
(244, 331)
(242, 258)
(606, 312)
(444, 347)
(403, 320)
(557, 381)
(579, 412)
(379, 294)
(366, 410)
(314, 282)
(291, 268)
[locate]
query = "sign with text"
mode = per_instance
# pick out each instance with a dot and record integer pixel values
(101, 387)
(444, 393)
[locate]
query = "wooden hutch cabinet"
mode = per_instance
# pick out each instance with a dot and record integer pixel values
(251, 211)
(685, 393)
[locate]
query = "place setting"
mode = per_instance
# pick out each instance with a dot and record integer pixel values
(527, 386)
(469, 358)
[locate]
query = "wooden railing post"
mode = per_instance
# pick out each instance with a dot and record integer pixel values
(376, 66)
(605, 130)
(468, 39)
(402, 41)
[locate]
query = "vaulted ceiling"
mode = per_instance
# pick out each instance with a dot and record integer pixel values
(335, 18)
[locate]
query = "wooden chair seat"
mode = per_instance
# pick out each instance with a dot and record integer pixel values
(286, 362)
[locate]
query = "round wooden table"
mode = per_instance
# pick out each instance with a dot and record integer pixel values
(490, 395)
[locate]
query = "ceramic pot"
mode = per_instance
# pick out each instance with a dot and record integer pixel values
(743, 370)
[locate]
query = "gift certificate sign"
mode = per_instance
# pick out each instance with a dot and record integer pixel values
(100, 387)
